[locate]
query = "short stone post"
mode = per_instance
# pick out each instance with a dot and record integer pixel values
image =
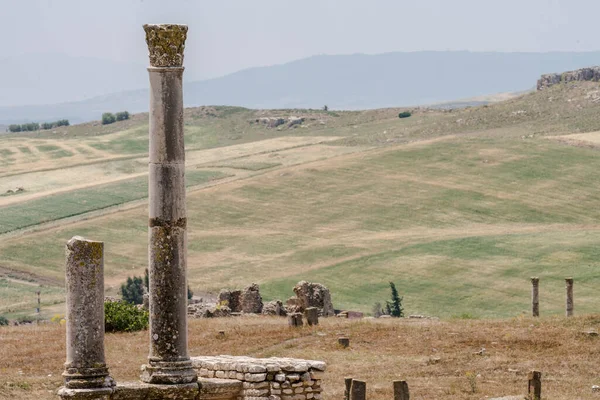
(295, 320)
(401, 390)
(344, 342)
(534, 387)
(347, 388)
(86, 374)
(358, 390)
(312, 315)
(168, 361)
(535, 297)
(569, 284)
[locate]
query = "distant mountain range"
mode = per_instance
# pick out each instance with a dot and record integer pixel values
(355, 81)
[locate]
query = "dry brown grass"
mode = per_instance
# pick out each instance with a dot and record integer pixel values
(435, 357)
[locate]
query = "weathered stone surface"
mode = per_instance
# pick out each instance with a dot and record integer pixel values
(535, 297)
(166, 43)
(86, 366)
(295, 320)
(314, 295)
(569, 305)
(274, 307)
(168, 362)
(583, 74)
(231, 299)
(85, 394)
(312, 316)
(251, 301)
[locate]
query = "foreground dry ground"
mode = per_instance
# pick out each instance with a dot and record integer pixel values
(438, 358)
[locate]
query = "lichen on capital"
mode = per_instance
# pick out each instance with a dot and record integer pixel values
(166, 43)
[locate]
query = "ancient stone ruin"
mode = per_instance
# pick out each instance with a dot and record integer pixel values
(170, 373)
(310, 294)
(229, 303)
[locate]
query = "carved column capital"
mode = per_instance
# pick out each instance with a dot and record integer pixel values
(166, 43)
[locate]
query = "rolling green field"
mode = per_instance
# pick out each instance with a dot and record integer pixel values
(458, 208)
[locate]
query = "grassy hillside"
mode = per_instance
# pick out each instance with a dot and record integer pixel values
(459, 208)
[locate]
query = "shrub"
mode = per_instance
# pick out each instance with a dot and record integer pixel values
(404, 114)
(394, 307)
(108, 118)
(190, 293)
(133, 290)
(120, 316)
(30, 127)
(14, 128)
(122, 116)
(3, 321)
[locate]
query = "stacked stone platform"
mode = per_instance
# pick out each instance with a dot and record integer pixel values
(266, 378)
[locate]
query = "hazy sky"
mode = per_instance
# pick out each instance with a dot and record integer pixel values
(228, 35)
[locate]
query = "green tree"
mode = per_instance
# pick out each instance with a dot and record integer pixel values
(48, 125)
(133, 290)
(62, 122)
(394, 307)
(14, 128)
(325, 108)
(108, 118)
(123, 115)
(120, 316)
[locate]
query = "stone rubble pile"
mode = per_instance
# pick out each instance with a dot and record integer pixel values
(266, 378)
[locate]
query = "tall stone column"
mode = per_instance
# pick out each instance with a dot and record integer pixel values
(85, 369)
(569, 285)
(535, 297)
(168, 362)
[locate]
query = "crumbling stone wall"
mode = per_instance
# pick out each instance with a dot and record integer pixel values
(230, 298)
(310, 294)
(251, 301)
(583, 74)
(266, 378)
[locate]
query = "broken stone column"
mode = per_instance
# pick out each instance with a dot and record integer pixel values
(569, 284)
(85, 369)
(535, 297)
(168, 362)
(295, 320)
(312, 316)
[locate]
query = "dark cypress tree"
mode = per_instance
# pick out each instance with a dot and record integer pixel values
(133, 290)
(394, 307)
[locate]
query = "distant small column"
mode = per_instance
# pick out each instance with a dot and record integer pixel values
(358, 390)
(312, 316)
(401, 390)
(534, 386)
(569, 285)
(86, 366)
(168, 361)
(295, 320)
(535, 297)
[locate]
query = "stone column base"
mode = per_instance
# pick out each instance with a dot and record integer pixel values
(169, 373)
(85, 394)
